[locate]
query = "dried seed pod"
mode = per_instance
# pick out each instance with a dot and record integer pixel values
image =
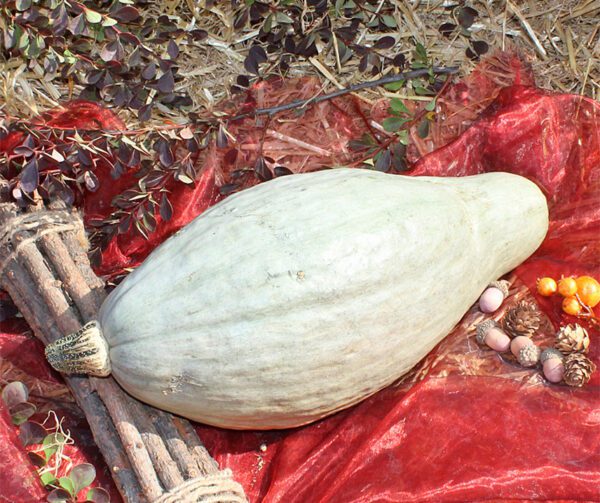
(523, 319)
(571, 339)
(578, 369)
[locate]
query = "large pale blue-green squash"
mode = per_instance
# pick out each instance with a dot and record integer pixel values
(304, 295)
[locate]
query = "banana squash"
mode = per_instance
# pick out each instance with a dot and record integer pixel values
(302, 296)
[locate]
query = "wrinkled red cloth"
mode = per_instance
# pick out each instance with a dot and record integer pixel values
(466, 425)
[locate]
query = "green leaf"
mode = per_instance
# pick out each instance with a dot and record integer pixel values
(393, 124)
(59, 496)
(109, 21)
(47, 478)
(420, 53)
(423, 129)
(389, 21)
(398, 106)
(430, 107)
(67, 484)
(92, 16)
(403, 135)
(51, 443)
(21, 412)
(395, 86)
(82, 476)
(22, 5)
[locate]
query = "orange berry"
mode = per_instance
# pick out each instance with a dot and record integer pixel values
(567, 287)
(546, 286)
(571, 306)
(588, 290)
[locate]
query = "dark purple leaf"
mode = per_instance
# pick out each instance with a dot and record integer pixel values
(471, 54)
(289, 45)
(124, 225)
(30, 177)
(145, 112)
(82, 476)
(84, 158)
(240, 19)
(166, 83)
(228, 188)
(165, 154)
(126, 14)
(97, 495)
(221, 138)
(61, 19)
(166, 209)
(399, 60)
(116, 170)
(447, 29)
(262, 171)
(129, 38)
(112, 51)
(94, 77)
(282, 171)
(14, 393)
(172, 49)
(383, 161)
(31, 433)
(198, 34)
(36, 460)
(243, 81)
(7, 310)
(58, 496)
(466, 16)
(385, 43)
(91, 181)
(135, 58)
(29, 141)
(24, 151)
(149, 72)
(21, 412)
(363, 63)
(480, 47)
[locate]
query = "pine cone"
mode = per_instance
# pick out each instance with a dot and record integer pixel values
(523, 319)
(578, 369)
(572, 339)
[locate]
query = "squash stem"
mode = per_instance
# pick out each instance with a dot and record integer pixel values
(82, 352)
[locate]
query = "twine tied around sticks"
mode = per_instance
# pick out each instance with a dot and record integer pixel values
(39, 223)
(215, 488)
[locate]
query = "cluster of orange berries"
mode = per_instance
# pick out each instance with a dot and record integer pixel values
(579, 293)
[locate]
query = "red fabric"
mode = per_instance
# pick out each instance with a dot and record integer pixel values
(465, 425)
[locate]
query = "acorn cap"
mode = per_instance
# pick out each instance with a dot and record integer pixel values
(501, 285)
(482, 329)
(549, 354)
(529, 355)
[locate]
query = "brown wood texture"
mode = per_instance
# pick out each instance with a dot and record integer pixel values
(52, 283)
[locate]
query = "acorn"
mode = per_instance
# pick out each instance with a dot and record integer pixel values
(518, 343)
(552, 364)
(490, 334)
(493, 296)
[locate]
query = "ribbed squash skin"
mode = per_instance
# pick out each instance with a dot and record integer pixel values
(306, 294)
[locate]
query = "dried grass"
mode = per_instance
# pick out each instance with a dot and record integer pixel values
(561, 39)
